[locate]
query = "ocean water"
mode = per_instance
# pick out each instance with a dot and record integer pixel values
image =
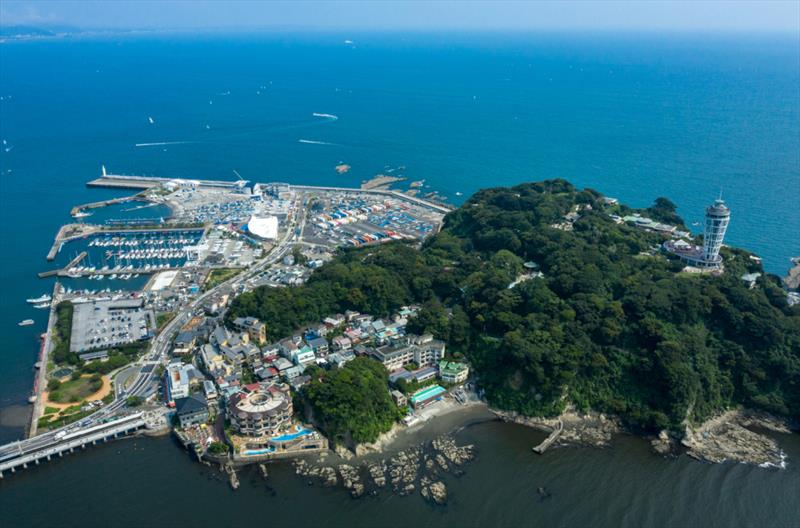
(634, 116)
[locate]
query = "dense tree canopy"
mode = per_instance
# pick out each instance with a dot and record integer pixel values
(352, 404)
(613, 325)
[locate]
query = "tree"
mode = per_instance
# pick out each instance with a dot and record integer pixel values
(605, 328)
(352, 404)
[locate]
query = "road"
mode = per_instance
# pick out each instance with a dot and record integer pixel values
(158, 352)
(159, 349)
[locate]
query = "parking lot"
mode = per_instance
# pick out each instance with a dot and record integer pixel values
(109, 323)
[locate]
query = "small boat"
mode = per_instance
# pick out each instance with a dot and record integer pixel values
(43, 298)
(81, 214)
(42, 305)
(695, 224)
(26, 322)
(152, 121)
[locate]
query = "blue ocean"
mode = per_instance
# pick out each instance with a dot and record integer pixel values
(634, 116)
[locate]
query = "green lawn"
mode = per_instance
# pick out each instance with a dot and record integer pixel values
(72, 391)
(219, 276)
(163, 318)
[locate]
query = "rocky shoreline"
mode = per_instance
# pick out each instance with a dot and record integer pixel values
(590, 430)
(730, 437)
(417, 468)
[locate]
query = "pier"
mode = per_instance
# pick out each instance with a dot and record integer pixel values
(547, 442)
(65, 270)
(33, 451)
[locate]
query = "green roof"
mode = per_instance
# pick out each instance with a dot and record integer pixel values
(451, 367)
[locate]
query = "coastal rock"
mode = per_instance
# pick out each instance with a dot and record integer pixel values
(433, 491)
(343, 452)
(328, 476)
(378, 473)
(403, 470)
(447, 449)
(663, 444)
(725, 438)
(351, 480)
(438, 492)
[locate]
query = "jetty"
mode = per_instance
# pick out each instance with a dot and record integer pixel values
(547, 442)
(69, 232)
(65, 270)
(119, 181)
(103, 203)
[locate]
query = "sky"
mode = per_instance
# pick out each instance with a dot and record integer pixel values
(642, 15)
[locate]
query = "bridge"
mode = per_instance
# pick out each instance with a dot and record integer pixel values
(21, 454)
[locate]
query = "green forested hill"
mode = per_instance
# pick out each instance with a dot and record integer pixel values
(613, 326)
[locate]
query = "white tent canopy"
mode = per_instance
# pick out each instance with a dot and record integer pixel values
(263, 227)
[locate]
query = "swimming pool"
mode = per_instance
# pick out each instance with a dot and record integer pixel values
(291, 436)
(253, 452)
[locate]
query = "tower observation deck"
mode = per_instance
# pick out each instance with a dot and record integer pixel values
(717, 219)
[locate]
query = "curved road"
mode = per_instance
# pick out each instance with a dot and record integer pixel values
(159, 348)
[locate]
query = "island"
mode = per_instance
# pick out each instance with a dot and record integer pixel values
(284, 321)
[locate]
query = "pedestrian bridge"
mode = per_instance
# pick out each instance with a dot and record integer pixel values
(20, 455)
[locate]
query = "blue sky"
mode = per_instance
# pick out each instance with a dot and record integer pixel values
(661, 15)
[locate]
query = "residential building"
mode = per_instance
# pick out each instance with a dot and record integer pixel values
(191, 410)
(339, 359)
(209, 390)
(422, 350)
(341, 343)
(184, 343)
(399, 398)
(319, 345)
(262, 412)
(255, 329)
(424, 374)
(304, 356)
(453, 372)
(293, 372)
(177, 381)
(394, 357)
